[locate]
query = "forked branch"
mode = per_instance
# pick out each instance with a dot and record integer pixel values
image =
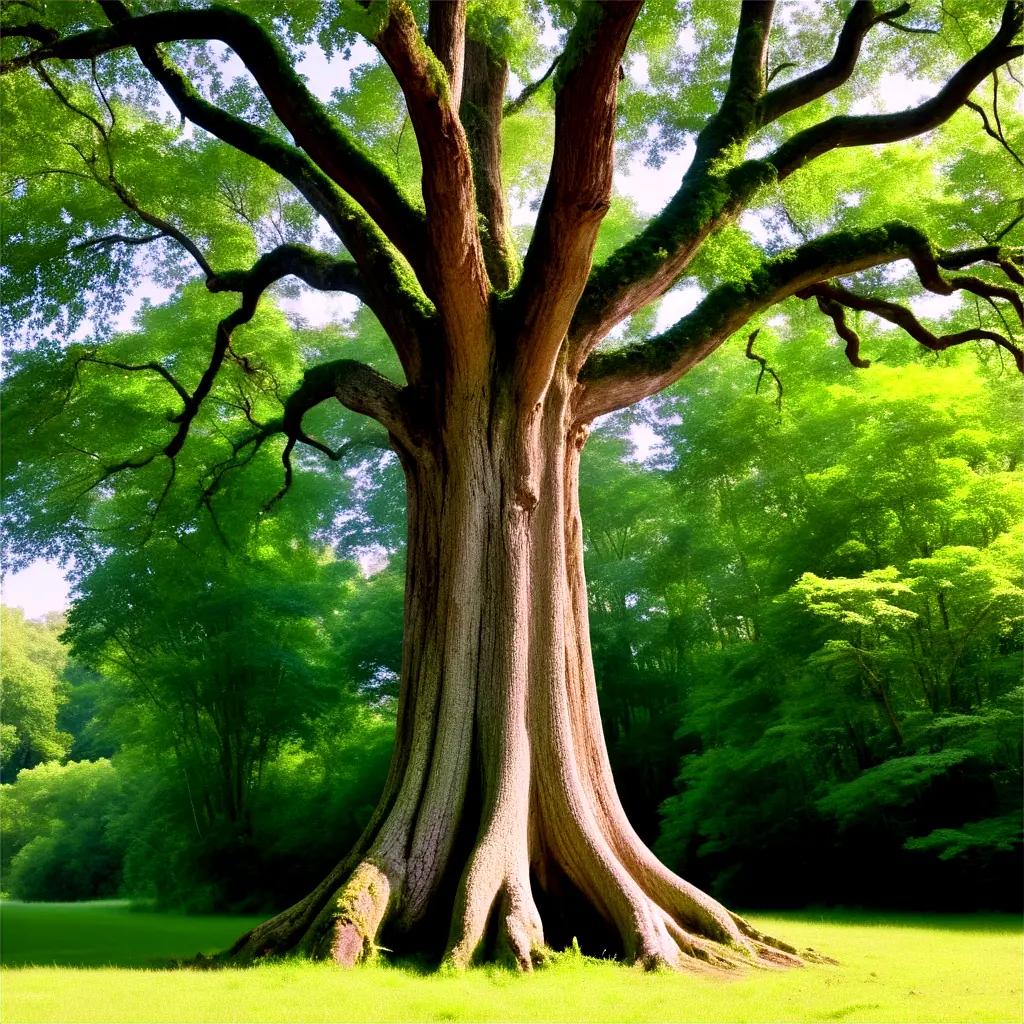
(615, 379)
(648, 265)
(578, 191)
(845, 131)
(455, 276)
(833, 300)
(863, 16)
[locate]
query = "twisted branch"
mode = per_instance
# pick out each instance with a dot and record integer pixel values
(833, 299)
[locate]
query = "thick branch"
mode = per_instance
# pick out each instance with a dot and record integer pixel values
(621, 377)
(313, 129)
(578, 189)
(748, 70)
(862, 18)
(317, 270)
(456, 278)
(644, 268)
(357, 386)
(483, 94)
(446, 36)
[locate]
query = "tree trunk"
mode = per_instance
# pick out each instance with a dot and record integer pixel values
(500, 797)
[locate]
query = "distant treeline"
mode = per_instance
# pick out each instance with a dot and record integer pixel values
(807, 624)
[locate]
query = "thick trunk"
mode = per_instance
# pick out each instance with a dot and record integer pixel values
(500, 796)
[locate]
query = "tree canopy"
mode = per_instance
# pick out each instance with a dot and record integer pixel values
(212, 169)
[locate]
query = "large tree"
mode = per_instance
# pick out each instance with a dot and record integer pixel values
(500, 800)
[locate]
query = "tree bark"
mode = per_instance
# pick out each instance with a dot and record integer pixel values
(500, 797)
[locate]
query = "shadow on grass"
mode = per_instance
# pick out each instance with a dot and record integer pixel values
(110, 933)
(114, 933)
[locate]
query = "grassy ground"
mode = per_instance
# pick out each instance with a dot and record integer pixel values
(892, 968)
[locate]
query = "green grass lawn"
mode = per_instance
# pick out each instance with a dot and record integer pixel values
(892, 968)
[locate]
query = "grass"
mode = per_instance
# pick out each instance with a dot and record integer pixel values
(892, 968)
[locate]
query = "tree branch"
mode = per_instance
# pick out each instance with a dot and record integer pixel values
(614, 379)
(832, 299)
(645, 267)
(578, 190)
(446, 36)
(313, 129)
(845, 131)
(456, 277)
(355, 385)
(765, 369)
(483, 93)
(529, 91)
(314, 268)
(152, 367)
(991, 132)
(117, 239)
(862, 18)
(404, 311)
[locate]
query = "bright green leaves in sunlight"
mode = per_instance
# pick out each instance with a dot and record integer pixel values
(33, 691)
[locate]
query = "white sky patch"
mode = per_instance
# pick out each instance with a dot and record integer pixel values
(754, 226)
(934, 307)
(792, 12)
(372, 559)
(639, 70)
(324, 76)
(677, 303)
(523, 214)
(651, 188)
(148, 291)
(893, 93)
(318, 309)
(686, 41)
(646, 441)
(37, 589)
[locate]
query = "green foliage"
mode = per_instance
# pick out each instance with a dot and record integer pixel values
(31, 692)
(813, 615)
(892, 784)
(58, 838)
(825, 604)
(985, 837)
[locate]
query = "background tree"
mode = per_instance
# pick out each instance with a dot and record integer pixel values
(861, 717)
(32, 693)
(501, 365)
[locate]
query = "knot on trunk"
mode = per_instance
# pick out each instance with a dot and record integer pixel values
(526, 498)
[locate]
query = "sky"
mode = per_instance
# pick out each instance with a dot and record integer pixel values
(42, 586)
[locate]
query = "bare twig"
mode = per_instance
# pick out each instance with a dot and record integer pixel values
(765, 368)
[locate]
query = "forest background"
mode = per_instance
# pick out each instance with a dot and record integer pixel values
(807, 632)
